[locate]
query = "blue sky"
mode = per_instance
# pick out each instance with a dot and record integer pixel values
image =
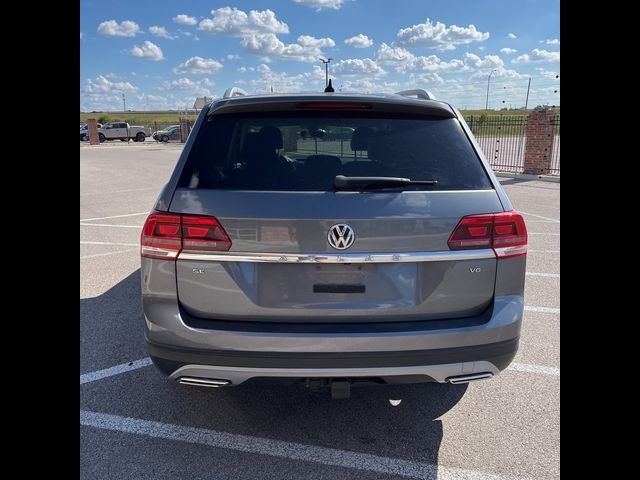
(163, 54)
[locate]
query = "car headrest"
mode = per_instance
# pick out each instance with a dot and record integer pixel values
(273, 135)
(361, 138)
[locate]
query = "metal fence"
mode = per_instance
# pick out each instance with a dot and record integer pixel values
(554, 169)
(502, 138)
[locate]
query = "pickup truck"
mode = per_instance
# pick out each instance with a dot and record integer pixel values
(123, 131)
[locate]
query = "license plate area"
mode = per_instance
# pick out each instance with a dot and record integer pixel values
(337, 285)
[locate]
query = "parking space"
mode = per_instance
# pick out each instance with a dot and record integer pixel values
(137, 424)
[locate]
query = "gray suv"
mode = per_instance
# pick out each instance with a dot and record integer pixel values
(388, 253)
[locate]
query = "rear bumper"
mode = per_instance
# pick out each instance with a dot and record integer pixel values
(182, 346)
(430, 365)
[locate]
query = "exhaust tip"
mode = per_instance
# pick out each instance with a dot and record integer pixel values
(469, 378)
(203, 382)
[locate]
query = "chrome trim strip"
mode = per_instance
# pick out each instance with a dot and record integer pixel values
(510, 251)
(441, 256)
(236, 375)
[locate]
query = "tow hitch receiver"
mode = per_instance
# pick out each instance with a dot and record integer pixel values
(340, 389)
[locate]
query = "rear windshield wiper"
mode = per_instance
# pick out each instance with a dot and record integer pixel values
(340, 182)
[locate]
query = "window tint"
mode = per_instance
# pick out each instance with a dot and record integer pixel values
(306, 152)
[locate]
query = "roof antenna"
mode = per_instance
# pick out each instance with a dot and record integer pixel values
(329, 88)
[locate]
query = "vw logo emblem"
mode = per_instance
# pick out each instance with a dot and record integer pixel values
(341, 236)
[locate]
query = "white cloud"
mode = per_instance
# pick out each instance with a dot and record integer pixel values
(365, 85)
(439, 36)
(481, 47)
(405, 61)
(555, 41)
(358, 66)
(183, 19)
(103, 85)
(538, 56)
(80, 35)
(486, 64)
(321, 4)
(388, 55)
(149, 51)
(236, 23)
(127, 28)
(359, 41)
(262, 68)
(511, 35)
(279, 81)
(508, 51)
(232, 57)
(550, 74)
(270, 47)
(198, 65)
(425, 79)
(188, 85)
(160, 32)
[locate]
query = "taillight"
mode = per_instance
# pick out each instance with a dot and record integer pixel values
(165, 235)
(334, 106)
(505, 232)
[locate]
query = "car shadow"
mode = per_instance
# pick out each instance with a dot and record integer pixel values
(394, 421)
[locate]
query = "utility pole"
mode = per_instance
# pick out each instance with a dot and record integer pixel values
(124, 105)
(527, 100)
(326, 70)
(486, 106)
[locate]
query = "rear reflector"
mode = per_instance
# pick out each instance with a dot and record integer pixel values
(335, 105)
(165, 235)
(505, 232)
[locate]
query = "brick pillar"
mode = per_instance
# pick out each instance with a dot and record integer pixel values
(92, 131)
(184, 129)
(290, 139)
(539, 144)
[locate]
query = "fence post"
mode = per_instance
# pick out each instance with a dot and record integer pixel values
(539, 143)
(184, 130)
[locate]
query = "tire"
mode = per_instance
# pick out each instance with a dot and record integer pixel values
(140, 137)
(123, 139)
(164, 139)
(101, 137)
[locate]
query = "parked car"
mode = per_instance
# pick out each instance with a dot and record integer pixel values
(123, 131)
(170, 133)
(84, 135)
(397, 260)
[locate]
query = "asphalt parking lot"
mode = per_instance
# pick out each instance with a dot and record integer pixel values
(137, 424)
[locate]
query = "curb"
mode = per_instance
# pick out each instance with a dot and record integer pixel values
(526, 176)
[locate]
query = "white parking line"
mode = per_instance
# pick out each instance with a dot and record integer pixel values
(536, 274)
(279, 448)
(114, 216)
(111, 243)
(525, 367)
(107, 225)
(540, 216)
(118, 369)
(541, 309)
(108, 253)
(119, 191)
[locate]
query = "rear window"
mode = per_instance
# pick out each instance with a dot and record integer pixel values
(304, 152)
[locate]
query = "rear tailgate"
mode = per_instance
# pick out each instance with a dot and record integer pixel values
(281, 267)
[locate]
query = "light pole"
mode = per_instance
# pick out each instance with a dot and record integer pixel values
(124, 105)
(326, 70)
(486, 106)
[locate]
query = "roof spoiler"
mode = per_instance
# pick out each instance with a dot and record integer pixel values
(418, 92)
